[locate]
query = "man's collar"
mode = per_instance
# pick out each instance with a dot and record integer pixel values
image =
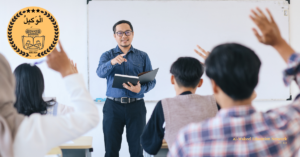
(118, 50)
(237, 111)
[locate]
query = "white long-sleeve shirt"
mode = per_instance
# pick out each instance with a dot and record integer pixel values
(38, 134)
(59, 109)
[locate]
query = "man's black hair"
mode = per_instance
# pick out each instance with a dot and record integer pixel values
(120, 22)
(235, 69)
(187, 71)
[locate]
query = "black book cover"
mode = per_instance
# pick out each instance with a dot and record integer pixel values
(120, 79)
(144, 77)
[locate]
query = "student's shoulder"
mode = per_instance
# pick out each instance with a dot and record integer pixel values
(202, 130)
(209, 97)
(158, 109)
(289, 112)
(196, 129)
(204, 96)
(158, 105)
(169, 98)
(163, 101)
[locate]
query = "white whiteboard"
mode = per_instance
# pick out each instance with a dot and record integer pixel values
(166, 30)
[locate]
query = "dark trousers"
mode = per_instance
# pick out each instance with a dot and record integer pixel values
(115, 116)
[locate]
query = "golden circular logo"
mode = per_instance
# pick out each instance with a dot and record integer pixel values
(33, 32)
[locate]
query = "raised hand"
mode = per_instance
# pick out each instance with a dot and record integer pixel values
(131, 87)
(269, 29)
(59, 61)
(204, 54)
(119, 59)
(74, 66)
(270, 34)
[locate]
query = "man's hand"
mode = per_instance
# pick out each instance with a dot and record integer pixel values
(134, 89)
(119, 59)
(204, 53)
(270, 33)
(59, 61)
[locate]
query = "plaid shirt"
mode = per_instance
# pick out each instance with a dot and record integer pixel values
(242, 131)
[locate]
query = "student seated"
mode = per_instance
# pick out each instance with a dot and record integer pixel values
(171, 114)
(238, 129)
(29, 93)
(35, 135)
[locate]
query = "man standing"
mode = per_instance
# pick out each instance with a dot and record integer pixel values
(124, 106)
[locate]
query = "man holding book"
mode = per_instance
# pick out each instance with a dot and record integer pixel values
(124, 107)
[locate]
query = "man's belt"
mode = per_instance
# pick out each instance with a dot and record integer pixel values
(124, 100)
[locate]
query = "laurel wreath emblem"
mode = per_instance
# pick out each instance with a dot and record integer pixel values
(40, 54)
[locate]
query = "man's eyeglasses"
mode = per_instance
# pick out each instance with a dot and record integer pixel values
(127, 33)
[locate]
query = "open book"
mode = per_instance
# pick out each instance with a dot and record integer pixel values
(33, 43)
(144, 77)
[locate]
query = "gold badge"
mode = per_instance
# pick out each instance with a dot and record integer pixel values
(33, 32)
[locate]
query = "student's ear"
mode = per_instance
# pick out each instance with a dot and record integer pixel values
(200, 83)
(253, 96)
(115, 36)
(172, 80)
(214, 86)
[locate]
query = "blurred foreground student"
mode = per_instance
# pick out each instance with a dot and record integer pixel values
(238, 129)
(29, 93)
(34, 136)
(171, 114)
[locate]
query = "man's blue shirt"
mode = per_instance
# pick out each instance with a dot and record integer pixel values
(137, 62)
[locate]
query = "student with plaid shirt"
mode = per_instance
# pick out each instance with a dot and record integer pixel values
(233, 70)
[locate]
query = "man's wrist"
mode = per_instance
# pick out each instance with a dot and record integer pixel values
(138, 91)
(111, 62)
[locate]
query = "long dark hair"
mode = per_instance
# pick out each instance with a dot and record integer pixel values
(29, 90)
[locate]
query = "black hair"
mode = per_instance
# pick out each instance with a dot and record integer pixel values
(234, 68)
(120, 22)
(187, 71)
(29, 90)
